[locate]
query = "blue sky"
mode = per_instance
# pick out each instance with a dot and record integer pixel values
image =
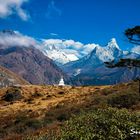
(87, 21)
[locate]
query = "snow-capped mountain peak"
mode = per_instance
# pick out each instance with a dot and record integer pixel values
(65, 51)
(107, 53)
(59, 57)
(53, 48)
(136, 49)
(113, 44)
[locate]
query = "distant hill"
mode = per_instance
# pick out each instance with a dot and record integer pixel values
(8, 78)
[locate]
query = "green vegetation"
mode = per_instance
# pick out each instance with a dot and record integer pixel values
(98, 124)
(133, 35)
(23, 122)
(119, 100)
(125, 62)
(123, 100)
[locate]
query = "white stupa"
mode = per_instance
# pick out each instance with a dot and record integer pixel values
(61, 82)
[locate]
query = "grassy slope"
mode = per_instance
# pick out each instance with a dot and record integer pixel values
(44, 108)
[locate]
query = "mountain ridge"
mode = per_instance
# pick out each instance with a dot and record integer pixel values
(59, 51)
(92, 71)
(27, 59)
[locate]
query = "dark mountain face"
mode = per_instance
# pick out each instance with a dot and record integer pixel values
(107, 76)
(31, 64)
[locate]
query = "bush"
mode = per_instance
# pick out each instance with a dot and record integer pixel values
(109, 124)
(37, 95)
(23, 121)
(61, 92)
(3, 133)
(34, 123)
(62, 117)
(124, 100)
(12, 94)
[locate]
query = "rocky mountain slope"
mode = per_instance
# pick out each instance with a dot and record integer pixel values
(8, 78)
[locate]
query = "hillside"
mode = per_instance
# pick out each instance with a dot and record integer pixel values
(39, 110)
(30, 64)
(8, 78)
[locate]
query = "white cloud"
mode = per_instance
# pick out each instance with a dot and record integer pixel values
(136, 49)
(52, 41)
(53, 11)
(88, 48)
(53, 34)
(72, 44)
(9, 7)
(14, 38)
(68, 46)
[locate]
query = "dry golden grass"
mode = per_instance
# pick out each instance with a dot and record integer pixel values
(52, 105)
(45, 97)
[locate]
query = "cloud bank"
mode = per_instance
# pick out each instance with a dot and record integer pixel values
(68, 46)
(10, 7)
(14, 38)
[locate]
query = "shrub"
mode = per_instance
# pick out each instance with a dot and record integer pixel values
(123, 100)
(109, 124)
(12, 94)
(3, 133)
(29, 100)
(61, 92)
(20, 118)
(62, 117)
(37, 95)
(34, 123)
(23, 122)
